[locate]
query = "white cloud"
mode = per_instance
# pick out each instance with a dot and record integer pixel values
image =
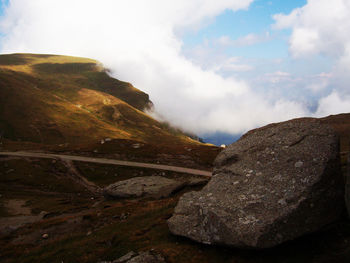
(333, 103)
(319, 82)
(213, 59)
(223, 65)
(140, 41)
(247, 40)
(321, 27)
(230, 66)
(278, 76)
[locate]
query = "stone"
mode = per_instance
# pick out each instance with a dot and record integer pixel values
(146, 186)
(127, 257)
(136, 146)
(144, 257)
(141, 257)
(286, 195)
(45, 236)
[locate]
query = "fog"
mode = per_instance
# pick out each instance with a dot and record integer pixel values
(140, 42)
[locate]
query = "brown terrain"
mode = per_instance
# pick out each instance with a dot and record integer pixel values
(52, 210)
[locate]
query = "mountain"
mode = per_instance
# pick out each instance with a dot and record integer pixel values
(53, 99)
(71, 105)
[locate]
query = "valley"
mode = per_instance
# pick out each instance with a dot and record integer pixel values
(68, 130)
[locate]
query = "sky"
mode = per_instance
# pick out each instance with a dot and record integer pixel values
(210, 67)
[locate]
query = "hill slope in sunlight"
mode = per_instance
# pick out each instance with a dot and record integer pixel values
(52, 99)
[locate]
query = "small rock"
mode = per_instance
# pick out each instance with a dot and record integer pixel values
(45, 236)
(124, 216)
(282, 202)
(298, 164)
(127, 257)
(141, 257)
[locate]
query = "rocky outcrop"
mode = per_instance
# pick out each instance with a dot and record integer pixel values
(274, 184)
(147, 186)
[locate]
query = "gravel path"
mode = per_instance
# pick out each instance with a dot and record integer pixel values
(108, 161)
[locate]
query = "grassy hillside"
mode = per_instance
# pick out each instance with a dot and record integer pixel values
(66, 104)
(52, 99)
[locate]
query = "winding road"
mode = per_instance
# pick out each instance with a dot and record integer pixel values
(107, 161)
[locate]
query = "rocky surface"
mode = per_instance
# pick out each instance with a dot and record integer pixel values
(142, 257)
(275, 184)
(146, 186)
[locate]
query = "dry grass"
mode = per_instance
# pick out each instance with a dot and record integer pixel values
(107, 229)
(51, 99)
(67, 105)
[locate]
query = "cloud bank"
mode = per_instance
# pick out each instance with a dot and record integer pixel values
(322, 27)
(140, 41)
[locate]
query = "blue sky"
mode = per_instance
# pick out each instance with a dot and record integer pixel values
(3, 3)
(232, 65)
(267, 55)
(257, 19)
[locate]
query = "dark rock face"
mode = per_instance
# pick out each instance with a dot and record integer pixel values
(147, 186)
(274, 184)
(347, 186)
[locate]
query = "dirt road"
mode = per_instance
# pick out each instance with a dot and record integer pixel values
(107, 161)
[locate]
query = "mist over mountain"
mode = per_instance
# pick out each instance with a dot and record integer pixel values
(202, 66)
(50, 99)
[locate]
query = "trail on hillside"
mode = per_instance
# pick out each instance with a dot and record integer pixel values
(108, 161)
(74, 174)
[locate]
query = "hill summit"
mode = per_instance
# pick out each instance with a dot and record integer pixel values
(51, 99)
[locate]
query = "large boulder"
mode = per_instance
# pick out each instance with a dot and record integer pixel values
(146, 186)
(274, 184)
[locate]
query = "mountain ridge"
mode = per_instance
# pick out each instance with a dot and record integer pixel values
(59, 99)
